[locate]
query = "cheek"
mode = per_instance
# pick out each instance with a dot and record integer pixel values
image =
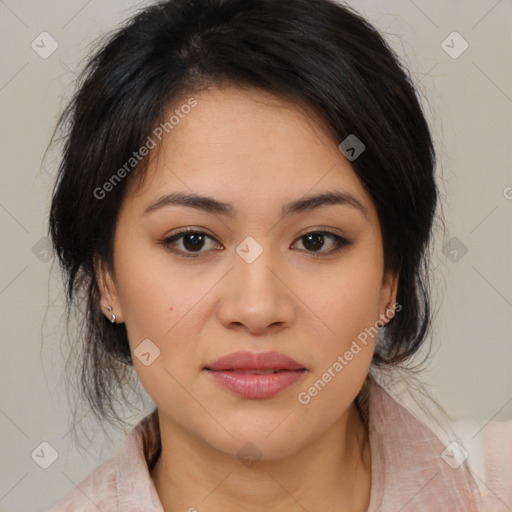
(162, 305)
(345, 301)
(343, 355)
(347, 306)
(155, 295)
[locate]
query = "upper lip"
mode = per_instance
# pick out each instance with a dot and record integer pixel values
(255, 361)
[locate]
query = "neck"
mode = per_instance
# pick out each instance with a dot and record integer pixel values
(331, 473)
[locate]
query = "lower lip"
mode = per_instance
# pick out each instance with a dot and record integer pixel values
(251, 385)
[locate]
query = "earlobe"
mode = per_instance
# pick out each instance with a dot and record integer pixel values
(109, 309)
(388, 305)
(109, 300)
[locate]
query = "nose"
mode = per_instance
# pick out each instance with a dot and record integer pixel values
(256, 297)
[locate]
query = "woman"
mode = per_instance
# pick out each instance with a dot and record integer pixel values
(245, 205)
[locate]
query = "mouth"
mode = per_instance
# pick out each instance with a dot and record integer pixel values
(255, 384)
(252, 375)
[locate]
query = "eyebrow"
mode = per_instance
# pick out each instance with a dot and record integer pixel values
(211, 205)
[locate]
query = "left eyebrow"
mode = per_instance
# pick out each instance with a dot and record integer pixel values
(312, 202)
(211, 205)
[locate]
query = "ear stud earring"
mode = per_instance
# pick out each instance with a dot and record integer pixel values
(109, 308)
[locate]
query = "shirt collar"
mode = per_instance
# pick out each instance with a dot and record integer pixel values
(408, 470)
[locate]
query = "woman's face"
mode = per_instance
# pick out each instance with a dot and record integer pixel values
(261, 277)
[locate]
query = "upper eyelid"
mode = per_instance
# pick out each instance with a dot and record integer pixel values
(305, 231)
(325, 231)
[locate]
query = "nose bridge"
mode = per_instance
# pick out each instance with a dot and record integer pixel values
(256, 298)
(253, 262)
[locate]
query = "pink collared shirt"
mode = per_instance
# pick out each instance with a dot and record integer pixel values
(412, 470)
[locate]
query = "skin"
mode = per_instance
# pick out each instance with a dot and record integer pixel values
(257, 152)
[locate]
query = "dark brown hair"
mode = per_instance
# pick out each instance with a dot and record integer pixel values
(313, 52)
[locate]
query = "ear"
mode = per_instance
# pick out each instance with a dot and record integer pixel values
(108, 292)
(388, 306)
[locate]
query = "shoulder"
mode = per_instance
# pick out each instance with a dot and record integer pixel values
(497, 446)
(98, 491)
(489, 456)
(123, 482)
(409, 461)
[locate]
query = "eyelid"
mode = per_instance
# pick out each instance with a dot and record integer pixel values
(320, 229)
(340, 240)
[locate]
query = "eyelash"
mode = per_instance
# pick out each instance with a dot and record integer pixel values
(341, 242)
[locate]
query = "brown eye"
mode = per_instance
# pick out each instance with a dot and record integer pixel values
(192, 241)
(314, 241)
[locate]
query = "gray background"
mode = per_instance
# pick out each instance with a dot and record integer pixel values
(469, 104)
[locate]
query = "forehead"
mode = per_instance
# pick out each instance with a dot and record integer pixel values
(230, 122)
(246, 145)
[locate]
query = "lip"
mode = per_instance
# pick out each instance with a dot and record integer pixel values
(255, 361)
(235, 372)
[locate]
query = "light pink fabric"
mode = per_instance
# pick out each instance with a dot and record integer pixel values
(408, 472)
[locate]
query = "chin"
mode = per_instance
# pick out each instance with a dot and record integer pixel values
(258, 447)
(257, 439)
